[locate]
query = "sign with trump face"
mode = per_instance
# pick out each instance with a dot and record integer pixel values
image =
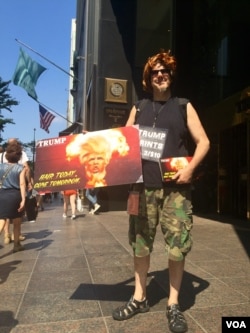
(95, 159)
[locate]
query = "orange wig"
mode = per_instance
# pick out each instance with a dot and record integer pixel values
(163, 58)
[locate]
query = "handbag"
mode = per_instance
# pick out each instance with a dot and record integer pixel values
(79, 205)
(5, 175)
(31, 207)
(133, 203)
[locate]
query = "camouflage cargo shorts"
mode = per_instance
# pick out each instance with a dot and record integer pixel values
(172, 209)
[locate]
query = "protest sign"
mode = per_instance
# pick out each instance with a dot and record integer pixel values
(152, 142)
(95, 159)
(169, 166)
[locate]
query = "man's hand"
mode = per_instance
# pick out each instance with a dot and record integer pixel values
(183, 176)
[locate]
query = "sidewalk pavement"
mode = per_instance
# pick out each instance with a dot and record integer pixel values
(74, 272)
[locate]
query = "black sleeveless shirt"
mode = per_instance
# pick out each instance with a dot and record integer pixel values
(173, 118)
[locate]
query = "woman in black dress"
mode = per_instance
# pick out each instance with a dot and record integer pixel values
(12, 191)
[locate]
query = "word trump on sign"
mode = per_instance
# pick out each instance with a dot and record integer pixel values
(152, 142)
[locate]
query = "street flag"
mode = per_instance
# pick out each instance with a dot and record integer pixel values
(27, 73)
(46, 118)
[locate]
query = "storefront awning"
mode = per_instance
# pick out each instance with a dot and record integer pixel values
(70, 129)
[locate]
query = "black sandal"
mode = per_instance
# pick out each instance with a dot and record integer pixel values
(176, 320)
(130, 309)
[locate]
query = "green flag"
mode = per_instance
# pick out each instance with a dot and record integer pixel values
(27, 73)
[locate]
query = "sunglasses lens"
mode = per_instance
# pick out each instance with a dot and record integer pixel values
(163, 71)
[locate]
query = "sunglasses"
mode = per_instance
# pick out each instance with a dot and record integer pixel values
(164, 71)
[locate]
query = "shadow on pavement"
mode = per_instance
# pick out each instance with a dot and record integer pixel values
(157, 289)
(7, 322)
(241, 227)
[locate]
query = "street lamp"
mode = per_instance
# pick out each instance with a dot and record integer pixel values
(34, 148)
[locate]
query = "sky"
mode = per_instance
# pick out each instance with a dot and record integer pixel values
(44, 26)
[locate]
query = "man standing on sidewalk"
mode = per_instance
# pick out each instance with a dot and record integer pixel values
(167, 203)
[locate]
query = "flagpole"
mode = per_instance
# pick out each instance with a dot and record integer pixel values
(69, 121)
(34, 148)
(54, 111)
(47, 60)
(45, 106)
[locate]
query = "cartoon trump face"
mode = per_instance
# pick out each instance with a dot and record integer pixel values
(178, 163)
(95, 155)
(95, 151)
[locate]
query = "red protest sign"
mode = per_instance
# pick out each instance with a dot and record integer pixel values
(102, 158)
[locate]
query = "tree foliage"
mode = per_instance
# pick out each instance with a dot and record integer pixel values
(6, 103)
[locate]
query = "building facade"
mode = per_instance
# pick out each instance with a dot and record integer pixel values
(114, 38)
